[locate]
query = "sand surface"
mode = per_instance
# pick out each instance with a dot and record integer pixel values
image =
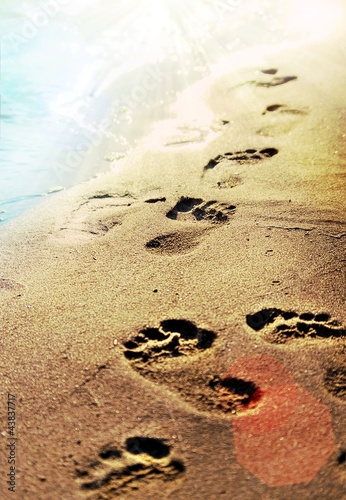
(176, 329)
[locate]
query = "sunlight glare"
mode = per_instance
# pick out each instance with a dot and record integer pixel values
(315, 18)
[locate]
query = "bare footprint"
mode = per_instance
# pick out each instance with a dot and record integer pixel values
(224, 180)
(96, 216)
(281, 327)
(171, 339)
(195, 209)
(273, 82)
(190, 210)
(281, 119)
(118, 470)
(217, 172)
(9, 285)
(249, 156)
(221, 177)
(284, 110)
(177, 242)
(277, 80)
(270, 71)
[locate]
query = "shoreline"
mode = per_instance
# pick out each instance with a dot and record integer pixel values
(181, 129)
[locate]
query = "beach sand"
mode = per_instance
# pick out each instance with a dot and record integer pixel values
(175, 329)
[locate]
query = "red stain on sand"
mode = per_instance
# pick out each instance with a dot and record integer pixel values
(275, 407)
(264, 370)
(285, 435)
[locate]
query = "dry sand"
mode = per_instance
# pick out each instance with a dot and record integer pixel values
(176, 329)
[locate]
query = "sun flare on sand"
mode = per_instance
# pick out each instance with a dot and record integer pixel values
(139, 57)
(186, 39)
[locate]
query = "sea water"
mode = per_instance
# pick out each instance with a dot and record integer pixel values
(79, 74)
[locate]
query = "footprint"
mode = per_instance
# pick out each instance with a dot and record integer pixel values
(284, 110)
(173, 338)
(270, 71)
(226, 181)
(273, 82)
(242, 157)
(281, 120)
(273, 107)
(178, 242)
(277, 80)
(96, 216)
(155, 200)
(236, 395)
(335, 382)
(177, 345)
(221, 177)
(280, 327)
(118, 470)
(190, 210)
(7, 284)
(195, 209)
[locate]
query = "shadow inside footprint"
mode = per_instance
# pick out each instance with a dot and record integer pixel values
(155, 200)
(283, 326)
(195, 209)
(110, 452)
(272, 108)
(173, 338)
(156, 448)
(259, 320)
(283, 109)
(277, 80)
(270, 71)
(236, 395)
(175, 243)
(184, 205)
(342, 458)
(143, 458)
(242, 157)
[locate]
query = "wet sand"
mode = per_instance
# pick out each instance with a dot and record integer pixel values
(176, 329)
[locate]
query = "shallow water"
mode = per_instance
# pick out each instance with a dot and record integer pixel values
(76, 75)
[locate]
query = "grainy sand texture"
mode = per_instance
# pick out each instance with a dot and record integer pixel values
(176, 328)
